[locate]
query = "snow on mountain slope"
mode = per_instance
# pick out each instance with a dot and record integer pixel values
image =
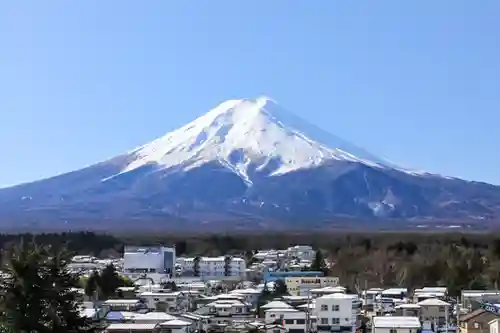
(238, 133)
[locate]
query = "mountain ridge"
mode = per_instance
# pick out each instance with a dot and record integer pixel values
(244, 162)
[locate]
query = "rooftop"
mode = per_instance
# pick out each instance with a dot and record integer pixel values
(433, 302)
(396, 322)
(130, 327)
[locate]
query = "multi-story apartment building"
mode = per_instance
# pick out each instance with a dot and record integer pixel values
(211, 267)
(337, 312)
(143, 260)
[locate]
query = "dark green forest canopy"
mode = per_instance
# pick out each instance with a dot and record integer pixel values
(413, 260)
(220, 244)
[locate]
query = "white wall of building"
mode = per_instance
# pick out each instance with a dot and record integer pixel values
(214, 266)
(394, 324)
(148, 259)
(291, 319)
(337, 310)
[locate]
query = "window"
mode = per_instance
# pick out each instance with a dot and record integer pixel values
(324, 307)
(393, 330)
(324, 321)
(335, 307)
(335, 321)
(301, 321)
(442, 309)
(289, 321)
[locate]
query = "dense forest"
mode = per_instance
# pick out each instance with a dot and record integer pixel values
(459, 261)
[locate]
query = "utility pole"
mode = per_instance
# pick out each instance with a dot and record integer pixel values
(308, 315)
(446, 310)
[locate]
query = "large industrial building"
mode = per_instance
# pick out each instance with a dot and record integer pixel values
(160, 260)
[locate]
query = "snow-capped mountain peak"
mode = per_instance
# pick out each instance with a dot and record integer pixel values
(250, 132)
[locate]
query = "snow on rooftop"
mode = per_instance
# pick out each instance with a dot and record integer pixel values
(131, 327)
(433, 302)
(339, 296)
(175, 322)
(276, 305)
(396, 322)
(122, 301)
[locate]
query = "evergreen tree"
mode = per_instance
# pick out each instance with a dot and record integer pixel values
(196, 265)
(91, 285)
(280, 288)
(63, 312)
(22, 306)
(108, 282)
(264, 297)
(319, 263)
(39, 293)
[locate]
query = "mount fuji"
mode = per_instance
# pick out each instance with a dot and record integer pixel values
(246, 164)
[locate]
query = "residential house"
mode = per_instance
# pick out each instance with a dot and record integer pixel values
(176, 326)
(249, 295)
(399, 295)
(153, 318)
(327, 291)
(435, 311)
(393, 324)
(408, 310)
(422, 294)
(226, 309)
(276, 305)
(123, 304)
(200, 322)
(477, 321)
(173, 302)
(494, 325)
(294, 321)
(370, 296)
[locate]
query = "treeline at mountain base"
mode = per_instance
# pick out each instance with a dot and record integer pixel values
(413, 260)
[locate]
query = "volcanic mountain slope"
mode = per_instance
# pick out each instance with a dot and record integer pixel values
(245, 160)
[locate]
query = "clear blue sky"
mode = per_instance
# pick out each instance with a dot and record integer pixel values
(417, 82)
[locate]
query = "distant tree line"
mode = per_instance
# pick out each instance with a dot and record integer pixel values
(413, 260)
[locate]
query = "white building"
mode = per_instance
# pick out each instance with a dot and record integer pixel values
(389, 324)
(139, 260)
(172, 302)
(302, 252)
(337, 312)
(212, 267)
(292, 320)
(249, 295)
(304, 285)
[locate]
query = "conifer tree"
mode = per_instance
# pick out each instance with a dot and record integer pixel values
(63, 312)
(38, 292)
(22, 305)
